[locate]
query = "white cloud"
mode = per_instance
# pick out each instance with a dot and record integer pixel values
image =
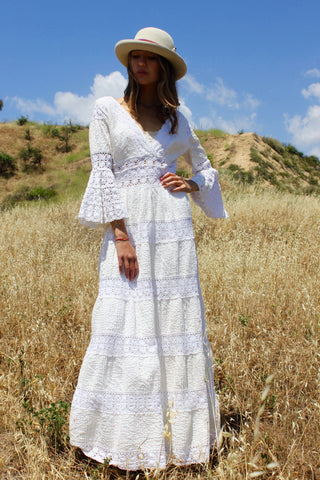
(70, 106)
(222, 95)
(193, 85)
(241, 122)
(251, 102)
(305, 130)
(37, 105)
(314, 72)
(312, 91)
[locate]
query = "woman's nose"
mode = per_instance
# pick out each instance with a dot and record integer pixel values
(142, 60)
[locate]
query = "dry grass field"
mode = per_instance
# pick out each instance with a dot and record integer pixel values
(260, 279)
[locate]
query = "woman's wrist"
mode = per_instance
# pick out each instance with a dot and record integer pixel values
(193, 186)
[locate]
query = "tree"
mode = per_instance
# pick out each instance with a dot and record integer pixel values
(1, 105)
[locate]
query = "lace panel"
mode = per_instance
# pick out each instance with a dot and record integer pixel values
(102, 202)
(141, 171)
(139, 404)
(157, 232)
(174, 287)
(117, 346)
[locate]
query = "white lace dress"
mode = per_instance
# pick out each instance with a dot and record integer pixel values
(145, 395)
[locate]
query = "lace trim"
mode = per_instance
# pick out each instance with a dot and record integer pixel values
(157, 232)
(140, 404)
(173, 287)
(102, 201)
(141, 171)
(117, 346)
(101, 161)
(141, 459)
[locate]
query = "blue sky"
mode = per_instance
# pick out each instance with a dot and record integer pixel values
(252, 65)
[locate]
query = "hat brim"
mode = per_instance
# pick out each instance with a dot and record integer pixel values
(124, 47)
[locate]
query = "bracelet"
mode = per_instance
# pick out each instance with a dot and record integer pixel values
(122, 239)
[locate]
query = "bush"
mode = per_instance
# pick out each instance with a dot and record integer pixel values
(22, 120)
(32, 158)
(27, 135)
(293, 151)
(28, 194)
(275, 144)
(7, 165)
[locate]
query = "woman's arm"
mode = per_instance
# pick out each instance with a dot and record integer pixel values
(127, 258)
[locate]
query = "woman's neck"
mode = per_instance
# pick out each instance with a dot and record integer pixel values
(148, 96)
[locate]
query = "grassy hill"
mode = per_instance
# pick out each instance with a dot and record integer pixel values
(50, 161)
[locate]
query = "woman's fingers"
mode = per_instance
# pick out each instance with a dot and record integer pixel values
(175, 183)
(127, 258)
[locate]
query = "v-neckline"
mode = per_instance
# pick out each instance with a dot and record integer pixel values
(145, 132)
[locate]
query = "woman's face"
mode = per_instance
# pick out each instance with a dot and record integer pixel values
(145, 67)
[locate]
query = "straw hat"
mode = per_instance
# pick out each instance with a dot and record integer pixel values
(156, 41)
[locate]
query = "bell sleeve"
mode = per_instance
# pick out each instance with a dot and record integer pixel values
(102, 200)
(208, 197)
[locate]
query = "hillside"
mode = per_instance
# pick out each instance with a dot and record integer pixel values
(47, 161)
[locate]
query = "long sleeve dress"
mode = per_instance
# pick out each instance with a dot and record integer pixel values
(145, 395)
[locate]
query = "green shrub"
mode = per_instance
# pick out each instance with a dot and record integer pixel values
(313, 161)
(40, 193)
(7, 165)
(28, 194)
(275, 144)
(27, 135)
(22, 120)
(49, 421)
(31, 157)
(313, 181)
(55, 133)
(233, 167)
(293, 151)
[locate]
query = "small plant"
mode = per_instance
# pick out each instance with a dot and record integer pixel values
(27, 135)
(7, 165)
(244, 319)
(55, 133)
(49, 421)
(22, 120)
(31, 157)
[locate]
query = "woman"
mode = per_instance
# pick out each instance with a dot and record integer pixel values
(145, 395)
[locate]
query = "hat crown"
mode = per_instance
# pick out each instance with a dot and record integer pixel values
(156, 35)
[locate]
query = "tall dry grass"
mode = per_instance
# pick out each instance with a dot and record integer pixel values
(260, 280)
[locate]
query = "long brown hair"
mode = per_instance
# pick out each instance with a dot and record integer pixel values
(166, 89)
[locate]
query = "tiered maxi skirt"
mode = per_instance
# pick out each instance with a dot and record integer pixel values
(145, 396)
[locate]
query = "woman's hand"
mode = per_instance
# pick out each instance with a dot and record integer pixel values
(127, 258)
(175, 183)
